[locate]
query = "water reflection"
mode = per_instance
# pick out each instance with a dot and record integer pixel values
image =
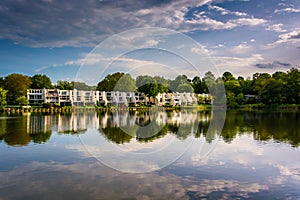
(253, 160)
(123, 127)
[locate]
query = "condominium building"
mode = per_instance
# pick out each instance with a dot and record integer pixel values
(114, 98)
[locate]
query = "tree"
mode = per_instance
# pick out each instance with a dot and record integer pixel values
(109, 82)
(197, 85)
(227, 76)
(22, 101)
(64, 85)
(260, 80)
(82, 86)
(293, 84)
(209, 76)
(233, 86)
(181, 79)
(185, 88)
(151, 86)
(2, 97)
(40, 81)
(17, 86)
(273, 92)
(149, 89)
(125, 84)
(246, 86)
(2, 82)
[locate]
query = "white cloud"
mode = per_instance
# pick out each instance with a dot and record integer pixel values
(241, 49)
(287, 10)
(98, 59)
(96, 21)
(237, 61)
(276, 27)
(224, 11)
(291, 37)
(247, 21)
(237, 65)
(200, 51)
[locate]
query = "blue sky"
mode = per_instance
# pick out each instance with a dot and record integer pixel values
(54, 37)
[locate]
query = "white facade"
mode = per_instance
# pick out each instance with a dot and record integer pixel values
(176, 99)
(114, 98)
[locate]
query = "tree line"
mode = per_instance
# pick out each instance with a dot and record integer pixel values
(277, 88)
(13, 88)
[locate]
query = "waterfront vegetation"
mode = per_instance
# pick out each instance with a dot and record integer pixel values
(280, 90)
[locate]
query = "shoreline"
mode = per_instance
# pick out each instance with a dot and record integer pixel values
(204, 107)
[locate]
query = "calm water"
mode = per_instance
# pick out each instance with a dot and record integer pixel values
(156, 155)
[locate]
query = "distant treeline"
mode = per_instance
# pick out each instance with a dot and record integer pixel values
(277, 88)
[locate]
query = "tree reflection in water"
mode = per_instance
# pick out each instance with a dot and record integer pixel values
(122, 126)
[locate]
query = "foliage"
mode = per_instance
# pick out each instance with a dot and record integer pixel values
(151, 86)
(181, 79)
(185, 87)
(17, 85)
(109, 82)
(82, 86)
(64, 85)
(22, 101)
(125, 84)
(41, 81)
(2, 97)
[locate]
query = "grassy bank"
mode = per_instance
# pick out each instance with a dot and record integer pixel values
(261, 106)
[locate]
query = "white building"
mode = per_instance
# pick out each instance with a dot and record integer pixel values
(176, 99)
(114, 98)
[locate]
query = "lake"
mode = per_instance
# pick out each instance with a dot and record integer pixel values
(150, 155)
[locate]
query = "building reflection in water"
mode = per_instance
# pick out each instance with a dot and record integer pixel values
(118, 127)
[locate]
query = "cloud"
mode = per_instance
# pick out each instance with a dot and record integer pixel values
(239, 66)
(273, 65)
(287, 10)
(247, 21)
(224, 61)
(291, 37)
(57, 24)
(224, 11)
(241, 49)
(276, 27)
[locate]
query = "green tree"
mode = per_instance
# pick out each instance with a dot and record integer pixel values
(181, 79)
(197, 85)
(17, 85)
(64, 85)
(233, 86)
(109, 82)
(40, 81)
(82, 86)
(185, 88)
(272, 92)
(151, 86)
(209, 83)
(239, 99)
(293, 84)
(22, 101)
(227, 76)
(2, 97)
(260, 80)
(2, 82)
(149, 89)
(246, 86)
(125, 84)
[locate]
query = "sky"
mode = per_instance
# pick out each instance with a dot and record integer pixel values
(62, 39)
